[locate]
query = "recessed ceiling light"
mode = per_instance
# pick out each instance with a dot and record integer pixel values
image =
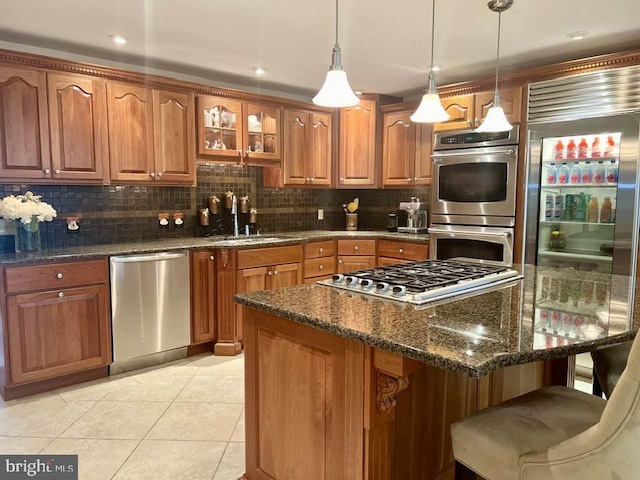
(437, 68)
(259, 70)
(578, 35)
(118, 39)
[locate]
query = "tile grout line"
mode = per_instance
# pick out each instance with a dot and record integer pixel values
(125, 460)
(226, 447)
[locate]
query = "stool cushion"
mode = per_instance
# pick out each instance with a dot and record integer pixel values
(491, 441)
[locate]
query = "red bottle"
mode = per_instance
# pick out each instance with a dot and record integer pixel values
(609, 148)
(559, 151)
(583, 149)
(596, 151)
(572, 150)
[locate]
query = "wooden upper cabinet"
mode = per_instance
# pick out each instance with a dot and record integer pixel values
(58, 332)
(320, 149)
(460, 109)
(220, 127)
(398, 149)
(263, 138)
(296, 147)
(511, 100)
(79, 135)
(24, 124)
(130, 132)
(424, 149)
(175, 142)
(357, 160)
(307, 148)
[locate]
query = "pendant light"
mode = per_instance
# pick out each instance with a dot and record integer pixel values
(496, 121)
(336, 91)
(430, 109)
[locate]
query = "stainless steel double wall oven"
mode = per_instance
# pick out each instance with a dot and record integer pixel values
(474, 195)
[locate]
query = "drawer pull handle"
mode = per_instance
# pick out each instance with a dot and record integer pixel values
(59, 275)
(401, 250)
(356, 247)
(321, 250)
(321, 267)
(61, 294)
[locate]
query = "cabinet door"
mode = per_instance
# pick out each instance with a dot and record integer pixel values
(296, 147)
(460, 109)
(320, 149)
(250, 280)
(398, 150)
(352, 263)
(56, 333)
(511, 100)
(175, 141)
(79, 136)
(262, 134)
(203, 296)
(357, 162)
(24, 125)
(130, 132)
(287, 275)
(220, 127)
(423, 151)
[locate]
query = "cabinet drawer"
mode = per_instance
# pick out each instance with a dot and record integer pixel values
(402, 250)
(319, 266)
(320, 249)
(312, 280)
(356, 247)
(55, 275)
(263, 257)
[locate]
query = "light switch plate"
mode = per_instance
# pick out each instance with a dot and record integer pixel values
(320, 214)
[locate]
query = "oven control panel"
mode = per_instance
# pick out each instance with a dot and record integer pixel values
(472, 138)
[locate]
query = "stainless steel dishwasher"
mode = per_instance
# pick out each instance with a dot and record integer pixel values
(150, 304)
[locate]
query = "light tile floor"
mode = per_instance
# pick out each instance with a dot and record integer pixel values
(181, 420)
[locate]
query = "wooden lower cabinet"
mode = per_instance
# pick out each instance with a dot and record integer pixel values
(203, 297)
(321, 407)
(384, 261)
(58, 332)
(351, 263)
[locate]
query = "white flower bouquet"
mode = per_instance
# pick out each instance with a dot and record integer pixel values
(25, 207)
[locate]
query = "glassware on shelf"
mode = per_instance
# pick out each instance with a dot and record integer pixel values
(563, 174)
(557, 242)
(583, 148)
(587, 172)
(572, 150)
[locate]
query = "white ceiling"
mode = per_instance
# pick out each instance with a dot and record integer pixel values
(385, 44)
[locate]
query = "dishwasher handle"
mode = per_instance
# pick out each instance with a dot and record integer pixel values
(153, 257)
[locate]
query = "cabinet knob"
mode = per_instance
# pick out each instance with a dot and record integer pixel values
(307, 180)
(270, 272)
(409, 179)
(342, 180)
(321, 249)
(153, 175)
(311, 180)
(356, 247)
(47, 171)
(339, 261)
(401, 250)
(321, 267)
(212, 257)
(159, 174)
(57, 172)
(59, 275)
(415, 179)
(61, 294)
(275, 272)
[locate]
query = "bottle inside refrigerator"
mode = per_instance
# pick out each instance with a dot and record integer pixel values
(579, 209)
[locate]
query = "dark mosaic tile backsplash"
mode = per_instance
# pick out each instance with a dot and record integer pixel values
(112, 214)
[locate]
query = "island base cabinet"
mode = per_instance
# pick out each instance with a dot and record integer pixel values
(304, 402)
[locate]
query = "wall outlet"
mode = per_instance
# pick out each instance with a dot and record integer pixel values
(320, 214)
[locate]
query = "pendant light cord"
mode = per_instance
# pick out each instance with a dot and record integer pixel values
(337, 22)
(433, 29)
(498, 52)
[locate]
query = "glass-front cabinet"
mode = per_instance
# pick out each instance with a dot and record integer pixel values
(243, 131)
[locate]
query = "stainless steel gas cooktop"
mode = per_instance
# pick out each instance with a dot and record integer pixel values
(422, 282)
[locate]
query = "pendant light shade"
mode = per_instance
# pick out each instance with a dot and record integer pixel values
(430, 109)
(496, 120)
(336, 91)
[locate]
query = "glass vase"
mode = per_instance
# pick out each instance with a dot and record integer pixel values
(27, 235)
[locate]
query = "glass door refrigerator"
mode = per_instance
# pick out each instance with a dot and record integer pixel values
(581, 195)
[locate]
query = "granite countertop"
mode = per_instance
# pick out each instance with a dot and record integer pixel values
(267, 240)
(551, 313)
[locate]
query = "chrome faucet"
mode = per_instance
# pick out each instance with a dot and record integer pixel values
(234, 212)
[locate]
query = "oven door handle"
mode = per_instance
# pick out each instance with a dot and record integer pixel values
(468, 232)
(437, 156)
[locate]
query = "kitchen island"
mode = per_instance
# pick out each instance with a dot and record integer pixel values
(340, 385)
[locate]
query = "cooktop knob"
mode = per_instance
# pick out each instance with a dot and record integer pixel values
(351, 281)
(337, 278)
(382, 287)
(399, 291)
(366, 284)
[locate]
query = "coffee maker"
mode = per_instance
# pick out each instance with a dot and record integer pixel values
(416, 216)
